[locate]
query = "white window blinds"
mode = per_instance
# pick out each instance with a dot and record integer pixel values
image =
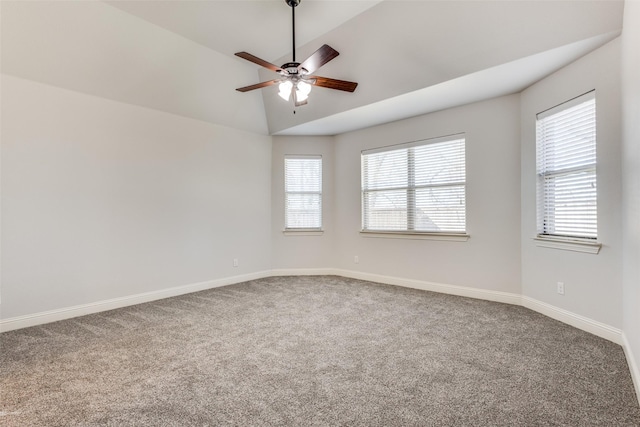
(566, 168)
(416, 187)
(303, 192)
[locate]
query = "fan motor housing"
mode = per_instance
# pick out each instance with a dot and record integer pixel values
(292, 68)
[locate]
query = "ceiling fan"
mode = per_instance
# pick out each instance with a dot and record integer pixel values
(296, 78)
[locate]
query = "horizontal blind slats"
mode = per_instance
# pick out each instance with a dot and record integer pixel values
(303, 192)
(566, 161)
(417, 188)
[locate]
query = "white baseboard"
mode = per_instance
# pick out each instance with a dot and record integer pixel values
(484, 294)
(583, 323)
(580, 322)
(633, 366)
(111, 304)
(596, 328)
(303, 272)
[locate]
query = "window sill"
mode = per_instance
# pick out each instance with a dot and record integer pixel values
(303, 232)
(449, 237)
(568, 244)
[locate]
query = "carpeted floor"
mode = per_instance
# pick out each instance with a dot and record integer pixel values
(314, 351)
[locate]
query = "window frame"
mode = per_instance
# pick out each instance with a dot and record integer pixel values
(411, 187)
(545, 223)
(303, 230)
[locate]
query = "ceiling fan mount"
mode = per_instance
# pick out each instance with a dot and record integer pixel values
(295, 77)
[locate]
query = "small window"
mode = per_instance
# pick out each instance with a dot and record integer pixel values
(303, 192)
(566, 169)
(415, 188)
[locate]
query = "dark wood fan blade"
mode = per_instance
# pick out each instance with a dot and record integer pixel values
(256, 60)
(320, 57)
(257, 86)
(333, 83)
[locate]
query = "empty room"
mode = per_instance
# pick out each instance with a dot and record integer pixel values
(320, 213)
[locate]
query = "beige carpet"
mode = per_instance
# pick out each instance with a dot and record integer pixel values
(314, 351)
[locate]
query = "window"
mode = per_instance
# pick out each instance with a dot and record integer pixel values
(566, 168)
(417, 187)
(303, 192)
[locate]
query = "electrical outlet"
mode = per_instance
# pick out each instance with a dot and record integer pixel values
(561, 288)
(235, 262)
(356, 259)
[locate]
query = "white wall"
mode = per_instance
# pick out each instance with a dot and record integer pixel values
(490, 259)
(631, 183)
(295, 251)
(593, 283)
(102, 199)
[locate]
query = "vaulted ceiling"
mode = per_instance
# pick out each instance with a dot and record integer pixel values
(409, 57)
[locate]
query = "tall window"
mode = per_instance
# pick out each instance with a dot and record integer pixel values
(303, 192)
(416, 187)
(566, 167)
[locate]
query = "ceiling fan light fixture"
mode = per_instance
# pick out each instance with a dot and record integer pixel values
(285, 89)
(296, 77)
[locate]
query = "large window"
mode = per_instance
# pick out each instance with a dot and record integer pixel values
(417, 187)
(566, 168)
(303, 192)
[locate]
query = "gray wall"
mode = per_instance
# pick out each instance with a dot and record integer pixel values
(102, 200)
(593, 283)
(300, 250)
(631, 183)
(104, 195)
(490, 258)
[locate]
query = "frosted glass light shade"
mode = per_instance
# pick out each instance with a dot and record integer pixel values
(285, 90)
(302, 91)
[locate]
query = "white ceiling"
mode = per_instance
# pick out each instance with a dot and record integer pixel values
(409, 57)
(233, 26)
(512, 77)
